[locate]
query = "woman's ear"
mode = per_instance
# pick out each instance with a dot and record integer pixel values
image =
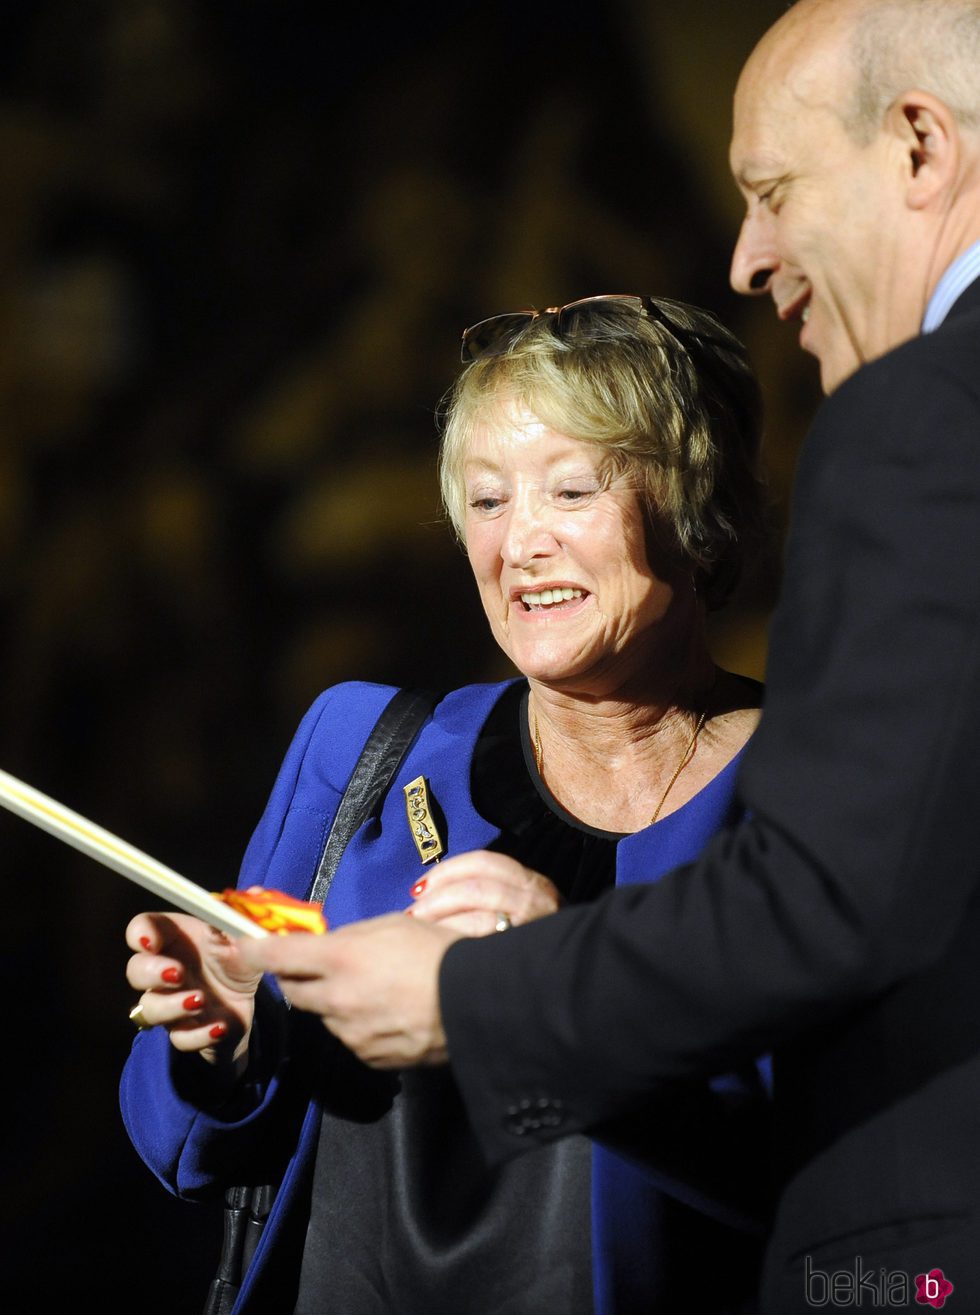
(932, 146)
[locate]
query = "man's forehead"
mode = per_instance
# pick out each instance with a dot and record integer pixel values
(788, 83)
(762, 131)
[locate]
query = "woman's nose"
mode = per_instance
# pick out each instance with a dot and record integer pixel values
(529, 533)
(754, 259)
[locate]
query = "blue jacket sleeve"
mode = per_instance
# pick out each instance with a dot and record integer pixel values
(194, 1141)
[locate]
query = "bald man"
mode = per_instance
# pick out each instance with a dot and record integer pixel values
(839, 928)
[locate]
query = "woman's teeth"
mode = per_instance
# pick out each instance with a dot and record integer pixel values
(548, 597)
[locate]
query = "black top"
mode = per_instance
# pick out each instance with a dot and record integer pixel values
(405, 1215)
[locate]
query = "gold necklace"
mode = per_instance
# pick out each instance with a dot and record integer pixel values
(688, 755)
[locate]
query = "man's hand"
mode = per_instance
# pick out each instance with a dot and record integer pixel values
(375, 984)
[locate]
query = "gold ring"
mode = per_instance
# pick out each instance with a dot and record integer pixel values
(503, 922)
(136, 1017)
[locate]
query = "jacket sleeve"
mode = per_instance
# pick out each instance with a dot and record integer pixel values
(191, 1137)
(859, 855)
(197, 1141)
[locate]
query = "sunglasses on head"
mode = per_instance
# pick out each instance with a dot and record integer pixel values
(496, 335)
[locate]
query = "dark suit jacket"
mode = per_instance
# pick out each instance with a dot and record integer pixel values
(840, 926)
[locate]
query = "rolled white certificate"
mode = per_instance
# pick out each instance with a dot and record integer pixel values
(114, 853)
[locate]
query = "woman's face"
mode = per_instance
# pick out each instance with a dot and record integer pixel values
(559, 552)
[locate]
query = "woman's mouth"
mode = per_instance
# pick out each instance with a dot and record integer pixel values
(549, 599)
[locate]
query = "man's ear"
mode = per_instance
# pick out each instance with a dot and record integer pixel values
(931, 144)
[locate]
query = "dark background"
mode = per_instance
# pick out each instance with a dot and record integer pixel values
(238, 241)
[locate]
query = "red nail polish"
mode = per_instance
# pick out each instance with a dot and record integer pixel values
(194, 1001)
(171, 976)
(419, 887)
(145, 942)
(217, 1032)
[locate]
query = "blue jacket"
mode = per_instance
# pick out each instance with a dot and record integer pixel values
(196, 1150)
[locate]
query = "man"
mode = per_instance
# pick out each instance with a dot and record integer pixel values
(840, 927)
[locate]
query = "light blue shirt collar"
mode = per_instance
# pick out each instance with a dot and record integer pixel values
(951, 286)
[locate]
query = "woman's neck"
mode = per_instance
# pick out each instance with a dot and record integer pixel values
(618, 760)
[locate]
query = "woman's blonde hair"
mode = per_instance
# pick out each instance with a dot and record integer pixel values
(665, 389)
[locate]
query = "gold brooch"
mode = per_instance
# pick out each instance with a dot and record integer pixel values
(427, 839)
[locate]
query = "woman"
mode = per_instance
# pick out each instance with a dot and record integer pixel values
(598, 463)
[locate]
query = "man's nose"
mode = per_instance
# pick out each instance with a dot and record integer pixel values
(754, 259)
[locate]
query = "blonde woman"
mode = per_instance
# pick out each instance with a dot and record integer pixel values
(598, 464)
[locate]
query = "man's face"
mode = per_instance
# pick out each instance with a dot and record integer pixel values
(827, 232)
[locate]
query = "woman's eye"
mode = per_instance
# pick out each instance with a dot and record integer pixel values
(574, 494)
(485, 503)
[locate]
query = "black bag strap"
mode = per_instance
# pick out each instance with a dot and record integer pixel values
(393, 734)
(384, 750)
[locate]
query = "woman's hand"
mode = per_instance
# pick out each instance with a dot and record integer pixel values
(193, 983)
(475, 893)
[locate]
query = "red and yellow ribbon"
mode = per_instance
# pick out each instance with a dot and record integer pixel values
(275, 911)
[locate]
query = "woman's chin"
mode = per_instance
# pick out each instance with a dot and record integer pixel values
(559, 672)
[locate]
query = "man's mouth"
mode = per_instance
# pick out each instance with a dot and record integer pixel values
(547, 599)
(798, 308)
